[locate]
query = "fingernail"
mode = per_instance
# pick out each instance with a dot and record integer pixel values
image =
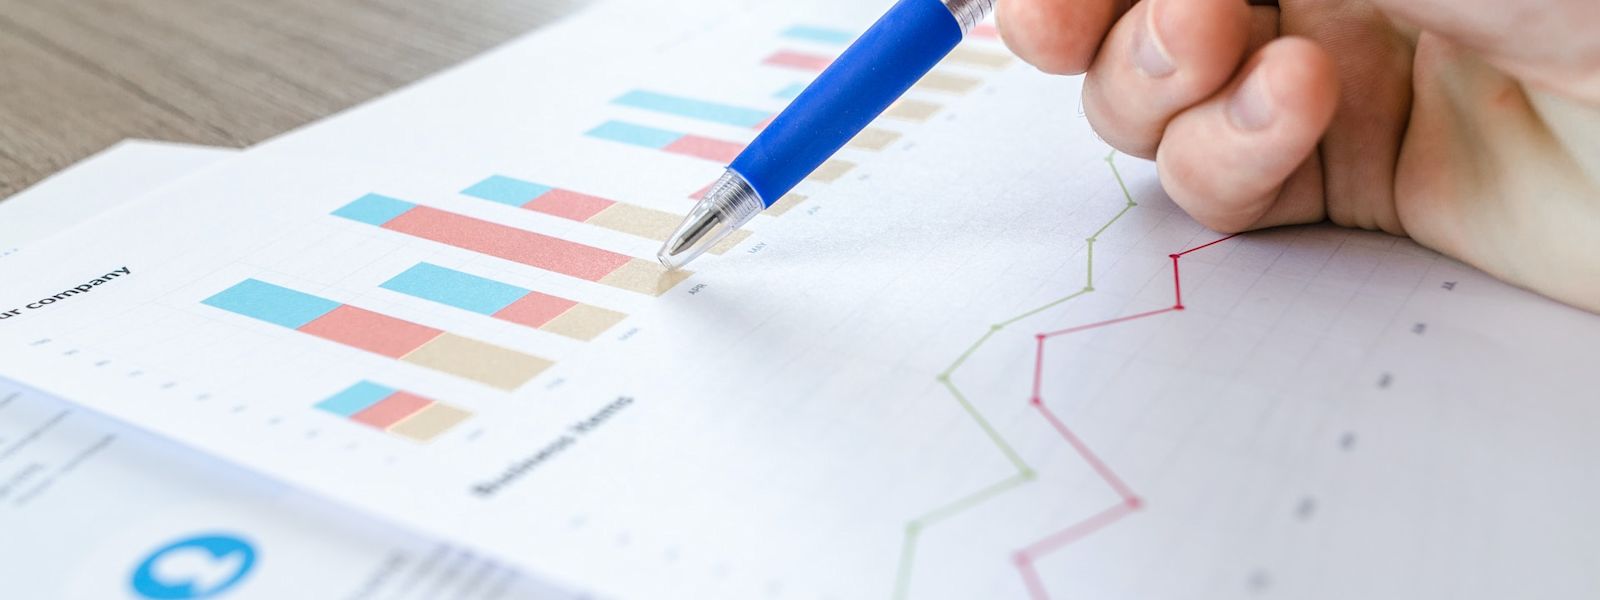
(1149, 54)
(1251, 107)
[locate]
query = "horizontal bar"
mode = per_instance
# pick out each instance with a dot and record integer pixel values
(391, 410)
(583, 322)
(506, 190)
(916, 111)
(526, 247)
(979, 57)
(535, 309)
(667, 141)
(719, 151)
(266, 302)
(794, 59)
(790, 92)
(691, 108)
(454, 288)
(608, 214)
(505, 302)
(494, 239)
(374, 209)
(397, 338)
(636, 135)
(813, 33)
(568, 204)
(401, 413)
(479, 361)
(430, 422)
(873, 139)
(831, 170)
(374, 332)
(355, 398)
(949, 83)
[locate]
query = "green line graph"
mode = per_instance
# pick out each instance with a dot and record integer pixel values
(1023, 473)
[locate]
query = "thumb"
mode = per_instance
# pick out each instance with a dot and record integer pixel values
(1548, 44)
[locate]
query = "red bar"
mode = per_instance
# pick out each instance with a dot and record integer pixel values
(707, 148)
(391, 410)
(534, 309)
(798, 60)
(526, 247)
(568, 204)
(700, 195)
(370, 331)
(986, 30)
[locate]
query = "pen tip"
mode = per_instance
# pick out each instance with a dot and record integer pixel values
(727, 205)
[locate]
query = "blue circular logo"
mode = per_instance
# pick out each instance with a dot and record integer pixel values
(199, 566)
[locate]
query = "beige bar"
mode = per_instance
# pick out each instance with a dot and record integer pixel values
(874, 139)
(832, 170)
(949, 83)
(583, 322)
(732, 240)
(430, 422)
(916, 111)
(645, 277)
(977, 57)
(482, 362)
(637, 220)
(785, 203)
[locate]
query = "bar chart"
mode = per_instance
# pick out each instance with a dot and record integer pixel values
(653, 118)
(616, 216)
(505, 302)
(380, 334)
(692, 108)
(400, 413)
(671, 142)
(536, 250)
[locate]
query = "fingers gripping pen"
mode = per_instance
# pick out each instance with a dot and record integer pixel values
(871, 74)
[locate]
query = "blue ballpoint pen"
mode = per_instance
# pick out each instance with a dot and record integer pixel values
(871, 74)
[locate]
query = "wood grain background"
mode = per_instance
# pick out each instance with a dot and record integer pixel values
(77, 76)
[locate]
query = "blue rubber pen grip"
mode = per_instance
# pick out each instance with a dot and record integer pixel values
(874, 72)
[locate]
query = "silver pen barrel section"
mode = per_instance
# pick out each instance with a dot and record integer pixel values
(969, 13)
(728, 205)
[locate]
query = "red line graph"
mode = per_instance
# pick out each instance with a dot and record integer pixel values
(1128, 501)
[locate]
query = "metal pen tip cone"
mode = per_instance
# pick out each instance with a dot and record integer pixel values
(697, 230)
(729, 204)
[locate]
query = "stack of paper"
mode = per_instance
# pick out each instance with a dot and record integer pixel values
(976, 355)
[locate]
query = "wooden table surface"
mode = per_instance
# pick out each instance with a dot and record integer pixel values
(77, 76)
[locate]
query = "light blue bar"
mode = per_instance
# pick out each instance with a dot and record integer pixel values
(355, 399)
(271, 303)
(693, 109)
(506, 190)
(791, 92)
(454, 288)
(374, 209)
(813, 33)
(638, 135)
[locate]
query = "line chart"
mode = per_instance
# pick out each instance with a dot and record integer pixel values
(1128, 501)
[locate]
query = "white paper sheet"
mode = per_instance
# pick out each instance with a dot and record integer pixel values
(118, 174)
(839, 407)
(86, 501)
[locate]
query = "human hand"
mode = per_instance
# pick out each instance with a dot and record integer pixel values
(1472, 126)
